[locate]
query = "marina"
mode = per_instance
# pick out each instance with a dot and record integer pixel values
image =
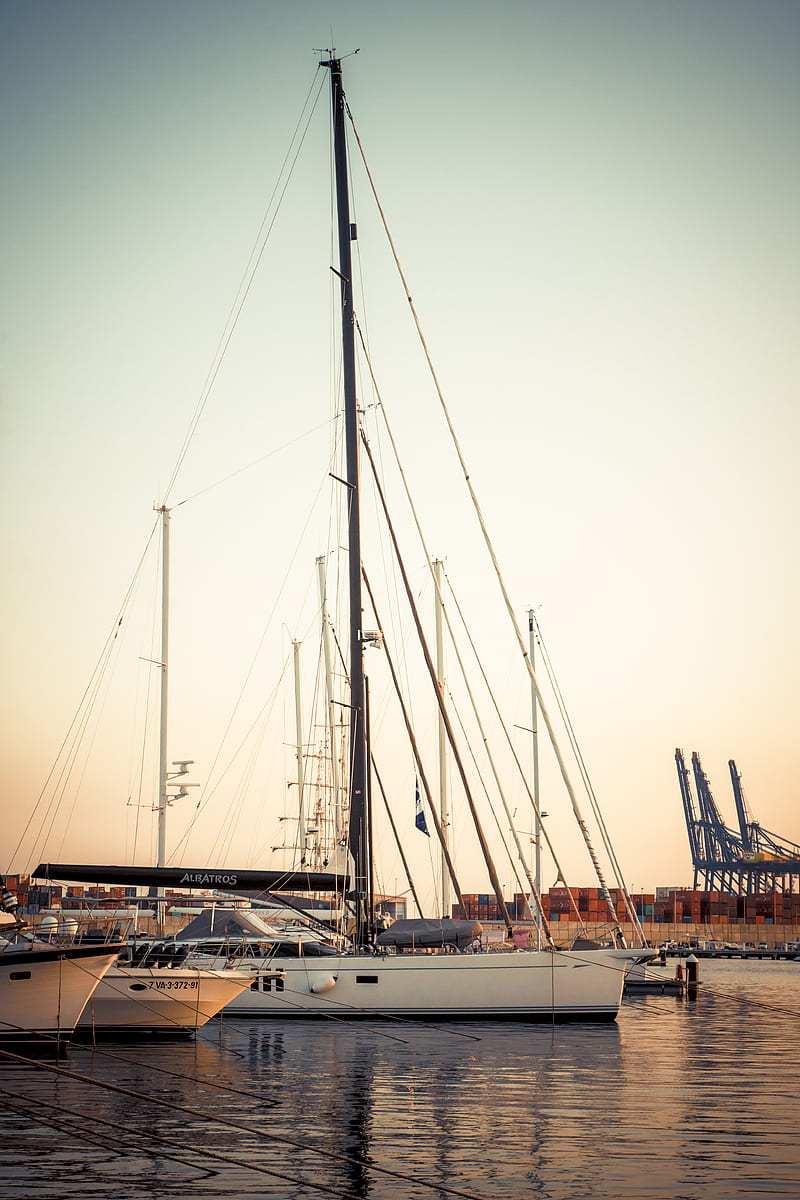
(418, 356)
(741, 952)
(679, 1097)
(44, 988)
(373, 970)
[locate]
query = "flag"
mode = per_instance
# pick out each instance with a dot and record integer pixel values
(419, 819)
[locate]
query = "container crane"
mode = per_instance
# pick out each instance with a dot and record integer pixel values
(740, 863)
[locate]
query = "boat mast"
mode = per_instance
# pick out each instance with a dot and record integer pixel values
(298, 723)
(537, 828)
(166, 778)
(443, 806)
(161, 803)
(330, 698)
(162, 740)
(358, 832)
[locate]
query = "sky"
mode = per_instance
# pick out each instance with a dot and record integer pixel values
(595, 205)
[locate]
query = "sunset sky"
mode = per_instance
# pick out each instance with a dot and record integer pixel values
(596, 206)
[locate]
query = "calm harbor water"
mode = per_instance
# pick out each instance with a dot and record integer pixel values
(677, 1099)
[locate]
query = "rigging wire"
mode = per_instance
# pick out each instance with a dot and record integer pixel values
(523, 776)
(78, 726)
(72, 737)
(209, 791)
(718, 994)
(217, 1118)
(256, 462)
(129, 1139)
(512, 861)
(152, 659)
(139, 775)
(415, 750)
(260, 719)
(490, 547)
(440, 600)
(593, 801)
(432, 673)
(262, 237)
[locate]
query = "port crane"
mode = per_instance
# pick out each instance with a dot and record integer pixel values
(743, 861)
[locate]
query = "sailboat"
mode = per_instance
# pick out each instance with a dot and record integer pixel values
(165, 994)
(427, 970)
(46, 984)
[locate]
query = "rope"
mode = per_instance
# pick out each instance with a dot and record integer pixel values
(631, 909)
(526, 784)
(80, 717)
(128, 1142)
(256, 254)
(490, 547)
(231, 1124)
(256, 462)
(210, 791)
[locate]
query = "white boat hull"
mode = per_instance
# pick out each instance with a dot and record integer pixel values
(505, 985)
(44, 989)
(174, 999)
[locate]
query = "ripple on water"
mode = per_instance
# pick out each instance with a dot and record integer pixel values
(678, 1099)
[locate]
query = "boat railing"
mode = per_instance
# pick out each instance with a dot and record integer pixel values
(78, 929)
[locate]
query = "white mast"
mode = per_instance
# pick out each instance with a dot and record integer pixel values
(165, 778)
(327, 653)
(537, 830)
(443, 805)
(298, 719)
(162, 744)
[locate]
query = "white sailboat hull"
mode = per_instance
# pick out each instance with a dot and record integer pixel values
(44, 989)
(506, 985)
(177, 999)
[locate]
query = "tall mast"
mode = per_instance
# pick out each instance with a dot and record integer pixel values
(166, 778)
(329, 695)
(162, 739)
(358, 833)
(298, 723)
(163, 778)
(537, 828)
(443, 806)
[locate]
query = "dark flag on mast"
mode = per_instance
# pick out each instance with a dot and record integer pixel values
(419, 819)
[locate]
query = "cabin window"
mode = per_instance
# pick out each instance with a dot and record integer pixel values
(366, 978)
(19, 975)
(287, 950)
(266, 984)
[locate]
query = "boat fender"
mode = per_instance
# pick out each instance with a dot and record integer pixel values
(321, 983)
(48, 927)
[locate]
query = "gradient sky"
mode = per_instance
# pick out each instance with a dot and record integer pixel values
(596, 206)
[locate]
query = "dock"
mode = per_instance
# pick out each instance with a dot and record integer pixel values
(732, 952)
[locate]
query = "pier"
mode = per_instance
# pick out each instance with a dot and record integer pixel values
(732, 952)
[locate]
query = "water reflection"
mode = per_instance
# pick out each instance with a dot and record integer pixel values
(675, 1099)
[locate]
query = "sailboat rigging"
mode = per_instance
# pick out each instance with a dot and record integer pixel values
(394, 972)
(359, 801)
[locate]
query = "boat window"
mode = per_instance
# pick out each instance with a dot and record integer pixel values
(227, 949)
(286, 950)
(366, 978)
(267, 983)
(19, 975)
